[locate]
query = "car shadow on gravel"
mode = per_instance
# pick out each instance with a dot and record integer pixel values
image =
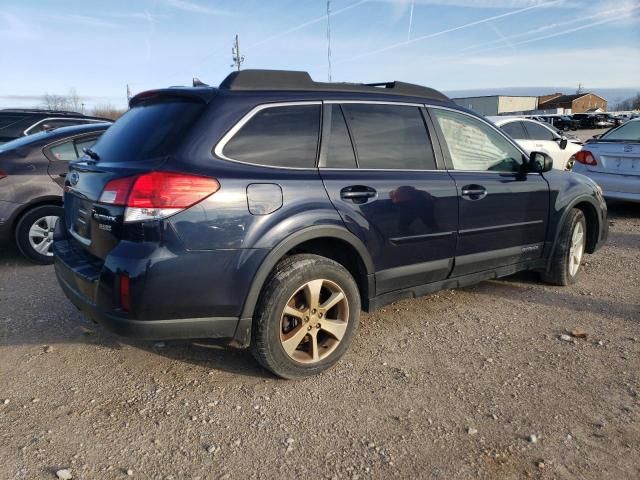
(519, 287)
(210, 354)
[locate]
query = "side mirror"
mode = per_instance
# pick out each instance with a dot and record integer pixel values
(563, 143)
(539, 162)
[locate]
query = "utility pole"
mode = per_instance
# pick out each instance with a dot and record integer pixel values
(128, 93)
(329, 39)
(235, 52)
(579, 88)
(82, 107)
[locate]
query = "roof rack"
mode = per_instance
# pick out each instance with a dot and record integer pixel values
(302, 81)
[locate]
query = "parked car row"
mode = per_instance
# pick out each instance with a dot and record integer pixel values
(577, 121)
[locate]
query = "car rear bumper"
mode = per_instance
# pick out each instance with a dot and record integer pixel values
(614, 186)
(77, 285)
(193, 295)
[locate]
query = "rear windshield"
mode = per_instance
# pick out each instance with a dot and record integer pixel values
(149, 130)
(629, 131)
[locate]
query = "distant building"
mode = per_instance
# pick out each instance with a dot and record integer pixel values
(578, 103)
(492, 105)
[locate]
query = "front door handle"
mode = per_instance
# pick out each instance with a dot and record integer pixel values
(358, 193)
(474, 192)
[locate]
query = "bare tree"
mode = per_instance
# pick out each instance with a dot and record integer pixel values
(632, 103)
(107, 110)
(74, 100)
(51, 101)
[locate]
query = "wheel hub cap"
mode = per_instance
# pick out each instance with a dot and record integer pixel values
(41, 234)
(314, 321)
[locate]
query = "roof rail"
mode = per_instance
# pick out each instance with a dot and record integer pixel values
(302, 81)
(40, 110)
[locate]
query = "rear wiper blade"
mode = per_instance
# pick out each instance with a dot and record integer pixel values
(91, 153)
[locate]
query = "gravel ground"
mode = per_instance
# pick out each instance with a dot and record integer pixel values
(471, 383)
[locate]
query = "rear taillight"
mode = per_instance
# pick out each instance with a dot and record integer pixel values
(585, 157)
(2, 174)
(157, 195)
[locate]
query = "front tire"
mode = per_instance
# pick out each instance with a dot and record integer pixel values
(567, 257)
(306, 317)
(34, 233)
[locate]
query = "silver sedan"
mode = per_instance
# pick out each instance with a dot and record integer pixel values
(613, 162)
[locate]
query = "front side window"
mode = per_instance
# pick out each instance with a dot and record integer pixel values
(515, 130)
(474, 145)
(538, 132)
(285, 136)
(389, 137)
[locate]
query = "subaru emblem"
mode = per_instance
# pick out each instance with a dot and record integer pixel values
(628, 149)
(74, 177)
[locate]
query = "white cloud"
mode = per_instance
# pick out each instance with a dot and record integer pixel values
(84, 20)
(188, 6)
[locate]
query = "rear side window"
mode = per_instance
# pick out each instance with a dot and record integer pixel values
(339, 148)
(64, 151)
(285, 136)
(389, 137)
(515, 129)
(149, 130)
(538, 132)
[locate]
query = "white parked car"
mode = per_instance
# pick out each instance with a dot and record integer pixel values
(612, 160)
(536, 136)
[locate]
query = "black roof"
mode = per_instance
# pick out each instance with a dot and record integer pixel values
(286, 80)
(39, 111)
(278, 80)
(46, 137)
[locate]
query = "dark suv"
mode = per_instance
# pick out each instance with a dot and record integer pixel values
(272, 209)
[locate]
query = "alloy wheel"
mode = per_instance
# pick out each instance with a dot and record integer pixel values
(577, 248)
(314, 321)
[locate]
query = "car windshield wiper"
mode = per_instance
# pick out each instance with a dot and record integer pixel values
(91, 153)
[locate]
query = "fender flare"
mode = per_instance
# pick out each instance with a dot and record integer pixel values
(563, 217)
(243, 331)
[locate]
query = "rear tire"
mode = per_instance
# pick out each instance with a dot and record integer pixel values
(34, 233)
(306, 317)
(565, 264)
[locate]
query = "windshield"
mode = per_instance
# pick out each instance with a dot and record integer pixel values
(149, 130)
(630, 131)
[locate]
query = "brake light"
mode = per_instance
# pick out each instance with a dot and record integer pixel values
(157, 195)
(585, 157)
(3, 174)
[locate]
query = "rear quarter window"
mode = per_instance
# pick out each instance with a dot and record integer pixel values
(279, 136)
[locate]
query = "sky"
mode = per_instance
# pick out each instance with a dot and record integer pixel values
(98, 47)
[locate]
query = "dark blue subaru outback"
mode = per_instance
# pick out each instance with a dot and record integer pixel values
(272, 209)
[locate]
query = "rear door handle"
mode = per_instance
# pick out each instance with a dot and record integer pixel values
(474, 192)
(358, 193)
(63, 175)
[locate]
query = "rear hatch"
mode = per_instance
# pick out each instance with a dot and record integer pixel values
(141, 141)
